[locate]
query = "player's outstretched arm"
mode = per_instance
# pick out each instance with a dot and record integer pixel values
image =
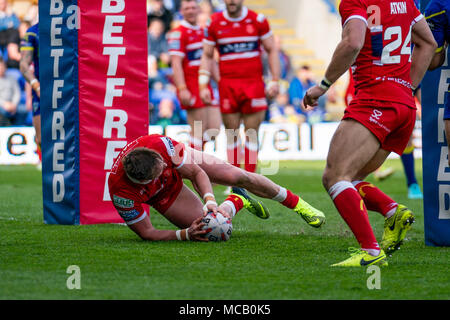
(353, 37)
(423, 53)
(145, 230)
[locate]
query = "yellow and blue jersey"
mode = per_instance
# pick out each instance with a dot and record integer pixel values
(30, 42)
(437, 14)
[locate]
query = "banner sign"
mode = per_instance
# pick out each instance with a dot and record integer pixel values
(436, 172)
(94, 101)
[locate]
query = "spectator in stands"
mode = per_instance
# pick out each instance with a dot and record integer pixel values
(157, 42)
(302, 81)
(165, 108)
(8, 20)
(9, 36)
(9, 96)
(285, 62)
(281, 111)
(157, 10)
(32, 15)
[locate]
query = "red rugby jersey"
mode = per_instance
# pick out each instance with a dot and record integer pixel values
(127, 196)
(238, 41)
(186, 41)
(382, 68)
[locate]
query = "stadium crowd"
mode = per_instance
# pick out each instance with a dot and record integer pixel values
(165, 108)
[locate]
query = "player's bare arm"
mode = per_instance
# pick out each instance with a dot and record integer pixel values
(438, 59)
(201, 184)
(25, 67)
(274, 65)
(179, 79)
(353, 37)
(204, 74)
(145, 230)
(424, 48)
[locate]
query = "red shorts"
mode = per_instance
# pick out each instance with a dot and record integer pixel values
(242, 95)
(196, 101)
(391, 122)
(167, 196)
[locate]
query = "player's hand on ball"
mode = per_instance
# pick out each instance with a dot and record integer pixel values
(312, 96)
(185, 97)
(196, 232)
(205, 95)
(210, 206)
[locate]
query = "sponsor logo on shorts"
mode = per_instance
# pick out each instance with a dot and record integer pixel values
(122, 202)
(376, 114)
(129, 215)
(375, 117)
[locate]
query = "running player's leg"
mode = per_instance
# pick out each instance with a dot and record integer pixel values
(213, 123)
(232, 122)
(252, 121)
(407, 158)
(352, 148)
(374, 198)
(197, 120)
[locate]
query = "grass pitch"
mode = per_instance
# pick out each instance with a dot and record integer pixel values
(280, 258)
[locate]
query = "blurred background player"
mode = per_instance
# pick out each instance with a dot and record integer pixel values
(151, 170)
(238, 33)
(384, 172)
(29, 66)
(438, 17)
(379, 120)
(185, 49)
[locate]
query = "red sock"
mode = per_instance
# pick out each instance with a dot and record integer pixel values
(234, 154)
(291, 200)
(374, 198)
(236, 202)
(352, 209)
(251, 156)
(39, 153)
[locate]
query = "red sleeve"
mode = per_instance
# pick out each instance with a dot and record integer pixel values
(352, 9)
(176, 43)
(416, 14)
(127, 206)
(263, 27)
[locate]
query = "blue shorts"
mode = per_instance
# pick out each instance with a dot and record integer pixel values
(36, 106)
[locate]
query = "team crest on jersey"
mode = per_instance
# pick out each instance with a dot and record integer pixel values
(122, 202)
(250, 29)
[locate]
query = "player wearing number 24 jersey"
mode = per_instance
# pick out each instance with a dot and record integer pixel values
(376, 43)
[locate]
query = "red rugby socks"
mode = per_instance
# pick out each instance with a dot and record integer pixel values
(287, 198)
(352, 209)
(375, 199)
